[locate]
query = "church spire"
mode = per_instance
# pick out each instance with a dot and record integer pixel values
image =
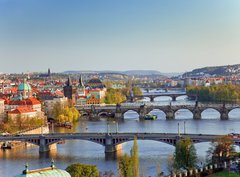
(69, 81)
(81, 84)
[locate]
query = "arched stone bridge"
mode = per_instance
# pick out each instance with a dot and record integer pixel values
(109, 141)
(152, 96)
(118, 110)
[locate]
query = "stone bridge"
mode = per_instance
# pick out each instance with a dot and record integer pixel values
(152, 96)
(118, 110)
(109, 140)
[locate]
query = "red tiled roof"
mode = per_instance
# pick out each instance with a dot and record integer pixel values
(21, 110)
(29, 101)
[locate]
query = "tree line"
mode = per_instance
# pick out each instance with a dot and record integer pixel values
(216, 93)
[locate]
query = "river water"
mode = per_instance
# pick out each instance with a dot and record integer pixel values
(153, 155)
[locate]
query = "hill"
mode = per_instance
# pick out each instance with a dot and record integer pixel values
(226, 70)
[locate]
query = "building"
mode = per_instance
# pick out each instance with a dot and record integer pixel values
(70, 91)
(32, 103)
(1, 110)
(95, 83)
(81, 87)
(94, 97)
(24, 89)
(23, 113)
(51, 171)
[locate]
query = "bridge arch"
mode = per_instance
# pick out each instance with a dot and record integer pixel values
(84, 113)
(171, 142)
(234, 113)
(213, 112)
(162, 98)
(181, 97)
(183, 113)
(160, 113)
(100, 141)
(126, 114)
(104, 113)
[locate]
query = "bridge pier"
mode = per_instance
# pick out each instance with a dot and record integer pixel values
(142, 111)
(43, 147)
(224, 116)
(109, 146)
(174, 98)
(170, 115)
(197, 114)
(118, 112)
(151, 99)
(118, 115)
(224, 113)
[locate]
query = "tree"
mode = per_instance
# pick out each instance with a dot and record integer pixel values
(221, 149)
(185, 156)
(135, 160)
(82, 170)
(125, 166)
(137, 91)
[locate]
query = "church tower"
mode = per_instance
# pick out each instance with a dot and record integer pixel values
(81, 87)
(49, 72)
(69, 91)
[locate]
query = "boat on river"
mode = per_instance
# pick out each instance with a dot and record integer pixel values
(150, 117)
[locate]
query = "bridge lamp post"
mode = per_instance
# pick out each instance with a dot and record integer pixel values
(108, 128)
(178, 130)
(184, 127)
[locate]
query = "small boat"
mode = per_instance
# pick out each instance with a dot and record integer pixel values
(7, 145)
(150, 117)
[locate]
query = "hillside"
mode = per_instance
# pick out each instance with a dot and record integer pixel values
(226, 70)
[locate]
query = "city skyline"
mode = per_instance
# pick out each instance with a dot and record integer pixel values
(167, 36)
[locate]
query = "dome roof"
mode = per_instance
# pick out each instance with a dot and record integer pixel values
(24, 86)
(94, 81)
(46, 173)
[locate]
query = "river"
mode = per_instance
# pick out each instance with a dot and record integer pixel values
(153, 155)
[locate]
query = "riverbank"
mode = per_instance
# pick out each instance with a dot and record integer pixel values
(17, 144)
(225, 174)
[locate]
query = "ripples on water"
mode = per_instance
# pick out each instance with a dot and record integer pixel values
(152, 154)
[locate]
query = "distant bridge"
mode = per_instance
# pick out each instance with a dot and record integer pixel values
(108, 140)
(152, 96)
(94, 111)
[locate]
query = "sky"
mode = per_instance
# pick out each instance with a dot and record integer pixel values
(163, 35)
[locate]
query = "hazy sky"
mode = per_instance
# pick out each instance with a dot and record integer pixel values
(164, 35)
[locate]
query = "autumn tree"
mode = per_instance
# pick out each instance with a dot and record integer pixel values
(65, 113)
(125, 166)
(82, 170)
(135, 160)
(221, 149)
(185, 156)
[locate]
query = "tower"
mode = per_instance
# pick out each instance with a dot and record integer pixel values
(49, 72)
(69, 91)
(81, 87)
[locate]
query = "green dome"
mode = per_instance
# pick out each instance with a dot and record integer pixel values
(24, 87)
(46, 173)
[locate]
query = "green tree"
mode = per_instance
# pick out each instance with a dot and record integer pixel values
(125, 166)
(135, 160)
(185, 155)
(82, 170)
